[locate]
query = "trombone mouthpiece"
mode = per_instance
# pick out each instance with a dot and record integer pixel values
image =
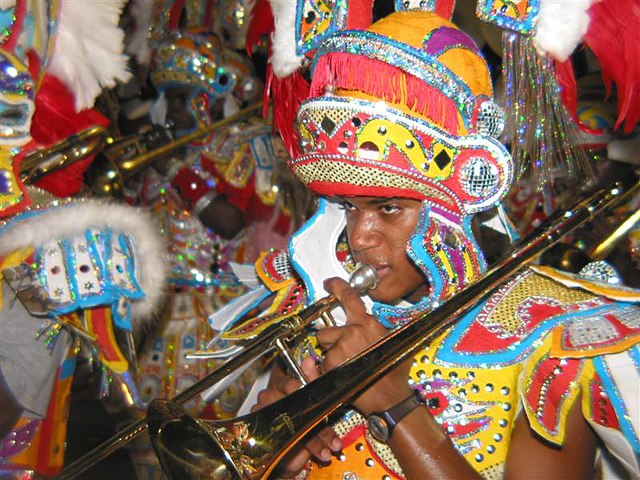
(363, 278)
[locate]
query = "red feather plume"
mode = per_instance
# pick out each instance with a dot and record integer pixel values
(613, 38)
(55, 118)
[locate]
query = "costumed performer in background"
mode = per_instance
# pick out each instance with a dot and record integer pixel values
(74, 272)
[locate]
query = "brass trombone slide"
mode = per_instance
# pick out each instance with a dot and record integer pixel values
(275, 336)
(41, 162)
(107, 175)
(249, 447)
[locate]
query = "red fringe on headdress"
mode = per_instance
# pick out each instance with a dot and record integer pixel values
(55, 118)
(386, 82)
(261, 24)
(613, 38)
(287, 94)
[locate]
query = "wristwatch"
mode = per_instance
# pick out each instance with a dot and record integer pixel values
(381, 424)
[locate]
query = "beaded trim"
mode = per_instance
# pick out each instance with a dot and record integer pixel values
(356, 147)
(519, 16)
(313, 24)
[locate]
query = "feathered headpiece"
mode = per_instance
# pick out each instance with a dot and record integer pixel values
(88, 52)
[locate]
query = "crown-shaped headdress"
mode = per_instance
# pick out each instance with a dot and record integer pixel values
(403, 109)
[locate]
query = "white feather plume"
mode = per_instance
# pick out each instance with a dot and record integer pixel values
(560, 27)
(284, 59)
(141, 12)
(75, 217)
(88, 52)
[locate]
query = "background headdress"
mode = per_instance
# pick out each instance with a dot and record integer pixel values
(547, 33)
(72, 50)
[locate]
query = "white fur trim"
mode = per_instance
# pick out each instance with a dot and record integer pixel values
(284, 59)
(75, 217)
(560, 27)
(87, 55)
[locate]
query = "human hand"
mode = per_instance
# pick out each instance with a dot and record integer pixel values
(360, 332)
(319, 447)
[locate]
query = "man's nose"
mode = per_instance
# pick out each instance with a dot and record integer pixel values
(364, 233)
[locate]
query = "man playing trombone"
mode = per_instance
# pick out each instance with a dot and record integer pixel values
(399, 139)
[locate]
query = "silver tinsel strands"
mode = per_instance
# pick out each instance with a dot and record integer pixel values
(541, 132)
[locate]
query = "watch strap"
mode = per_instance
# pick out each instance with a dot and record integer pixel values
(403, 408)
(395, 414)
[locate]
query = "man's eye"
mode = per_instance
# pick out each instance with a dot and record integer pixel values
(347, 206)
(389, 208)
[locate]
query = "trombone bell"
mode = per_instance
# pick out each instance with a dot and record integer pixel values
(185, 446)
(189, 448)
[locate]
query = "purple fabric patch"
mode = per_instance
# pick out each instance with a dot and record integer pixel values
(444, 37)
(18, 439)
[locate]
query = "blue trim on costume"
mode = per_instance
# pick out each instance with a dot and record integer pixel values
(514, 351)
(122, 321)
(137, 291)
(418, 255)
(67, 367)
(618, 405)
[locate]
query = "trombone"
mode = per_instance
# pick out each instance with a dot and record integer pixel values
(39, 163)
(125, 157)
(249, 447)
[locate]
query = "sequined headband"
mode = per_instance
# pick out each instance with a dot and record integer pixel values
(360, 148)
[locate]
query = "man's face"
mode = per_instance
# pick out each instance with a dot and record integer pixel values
(378, 230)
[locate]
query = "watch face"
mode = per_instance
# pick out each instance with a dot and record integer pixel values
(378, 428)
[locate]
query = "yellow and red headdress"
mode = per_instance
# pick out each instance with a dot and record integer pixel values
(403, 109)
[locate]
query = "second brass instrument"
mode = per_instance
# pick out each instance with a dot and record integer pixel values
(125, 157)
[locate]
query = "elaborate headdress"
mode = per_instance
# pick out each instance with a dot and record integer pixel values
(198, 60)
(403, 109)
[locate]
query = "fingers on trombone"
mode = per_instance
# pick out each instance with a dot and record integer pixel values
(310, 368)
(324, 444)
(347, 296)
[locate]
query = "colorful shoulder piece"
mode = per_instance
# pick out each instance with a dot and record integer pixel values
(274, 270)
(508, 325)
